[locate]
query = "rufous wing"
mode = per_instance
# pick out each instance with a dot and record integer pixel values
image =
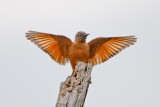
(101, 49)
(57, 46)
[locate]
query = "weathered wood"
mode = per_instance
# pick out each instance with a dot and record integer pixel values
(73, 91)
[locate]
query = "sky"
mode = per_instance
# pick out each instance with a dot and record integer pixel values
(30, 78)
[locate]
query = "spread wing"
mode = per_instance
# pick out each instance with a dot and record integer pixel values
(101, 49)
(57, 46)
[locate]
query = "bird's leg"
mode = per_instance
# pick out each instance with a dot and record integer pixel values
(73, 64)
(73, 67)
(73, 72)
(86, 67)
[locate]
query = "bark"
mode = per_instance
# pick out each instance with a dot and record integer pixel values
(73, 91)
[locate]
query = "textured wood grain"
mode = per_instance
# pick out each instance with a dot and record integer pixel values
(73, 91)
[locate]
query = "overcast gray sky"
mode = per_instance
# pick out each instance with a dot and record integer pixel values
(30, 78)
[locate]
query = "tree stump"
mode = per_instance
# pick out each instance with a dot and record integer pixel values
(73, 91)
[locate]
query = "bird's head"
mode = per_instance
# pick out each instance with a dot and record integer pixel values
(81, 36)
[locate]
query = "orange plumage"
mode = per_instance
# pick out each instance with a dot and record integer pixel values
(62, 49)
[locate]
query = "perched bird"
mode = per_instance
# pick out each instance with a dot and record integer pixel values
(62, 49)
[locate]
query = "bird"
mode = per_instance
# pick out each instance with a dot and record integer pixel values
(62, 50)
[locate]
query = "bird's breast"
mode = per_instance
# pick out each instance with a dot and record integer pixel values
(79, 51)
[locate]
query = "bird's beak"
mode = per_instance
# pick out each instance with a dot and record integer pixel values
(86, 34)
